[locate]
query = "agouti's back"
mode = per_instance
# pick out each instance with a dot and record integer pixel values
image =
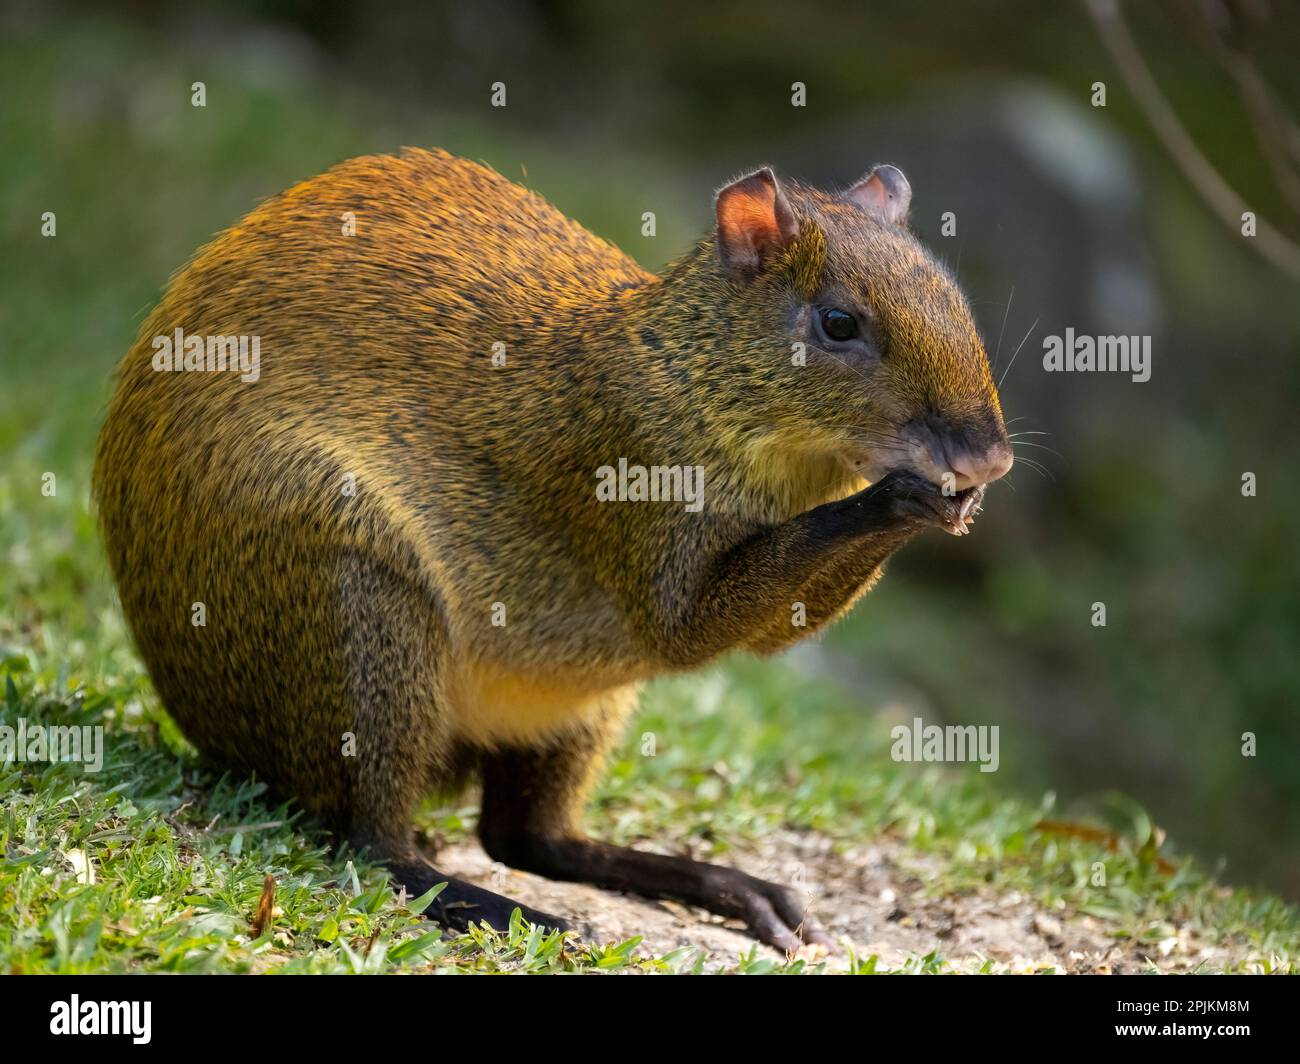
(447, 258)
(377, 422)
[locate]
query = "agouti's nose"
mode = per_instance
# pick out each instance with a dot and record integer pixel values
(979, 467)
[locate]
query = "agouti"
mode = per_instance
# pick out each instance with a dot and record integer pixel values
(427, 533)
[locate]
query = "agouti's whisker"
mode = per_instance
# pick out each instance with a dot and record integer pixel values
(1017, 351)
(1005, 314)
(1037, 466)
(1041, 447)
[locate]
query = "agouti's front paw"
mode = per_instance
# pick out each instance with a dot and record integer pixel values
(914, 500)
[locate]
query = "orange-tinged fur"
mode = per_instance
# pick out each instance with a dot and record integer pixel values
(376, 615)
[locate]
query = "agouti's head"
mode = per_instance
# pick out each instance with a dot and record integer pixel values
(880, 363)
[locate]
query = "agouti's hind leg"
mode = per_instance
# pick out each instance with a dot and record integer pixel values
(532, 806)
(389, 632)
(460, 902)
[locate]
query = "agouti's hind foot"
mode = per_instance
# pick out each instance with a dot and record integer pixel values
(469, 903)
(460, 903)
(770, 911)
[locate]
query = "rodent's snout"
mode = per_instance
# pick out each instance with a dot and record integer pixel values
(972, 466)
(949, 457)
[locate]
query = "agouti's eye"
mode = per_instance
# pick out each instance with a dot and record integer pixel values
(839, 324)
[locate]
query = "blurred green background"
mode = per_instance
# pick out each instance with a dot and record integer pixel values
(1068, 215)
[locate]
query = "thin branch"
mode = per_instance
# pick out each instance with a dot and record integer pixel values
(1275, 132)
(1216, 192)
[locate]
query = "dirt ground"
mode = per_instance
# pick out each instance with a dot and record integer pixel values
(875, 898)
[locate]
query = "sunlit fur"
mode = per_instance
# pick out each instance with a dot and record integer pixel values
(372, 615)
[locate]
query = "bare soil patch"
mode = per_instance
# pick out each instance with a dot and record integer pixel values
(877, 897)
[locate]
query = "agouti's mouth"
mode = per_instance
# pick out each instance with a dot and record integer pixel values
(970, 502)
(872, 466)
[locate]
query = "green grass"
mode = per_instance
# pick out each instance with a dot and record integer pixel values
(179, 854)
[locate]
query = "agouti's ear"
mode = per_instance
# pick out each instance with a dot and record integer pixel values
(754, 220)
(884, 193)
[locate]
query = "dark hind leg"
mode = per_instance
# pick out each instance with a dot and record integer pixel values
(459, 902)
(390, 633)
(531, 820)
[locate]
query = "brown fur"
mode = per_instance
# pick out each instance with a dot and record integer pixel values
(372, 615)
